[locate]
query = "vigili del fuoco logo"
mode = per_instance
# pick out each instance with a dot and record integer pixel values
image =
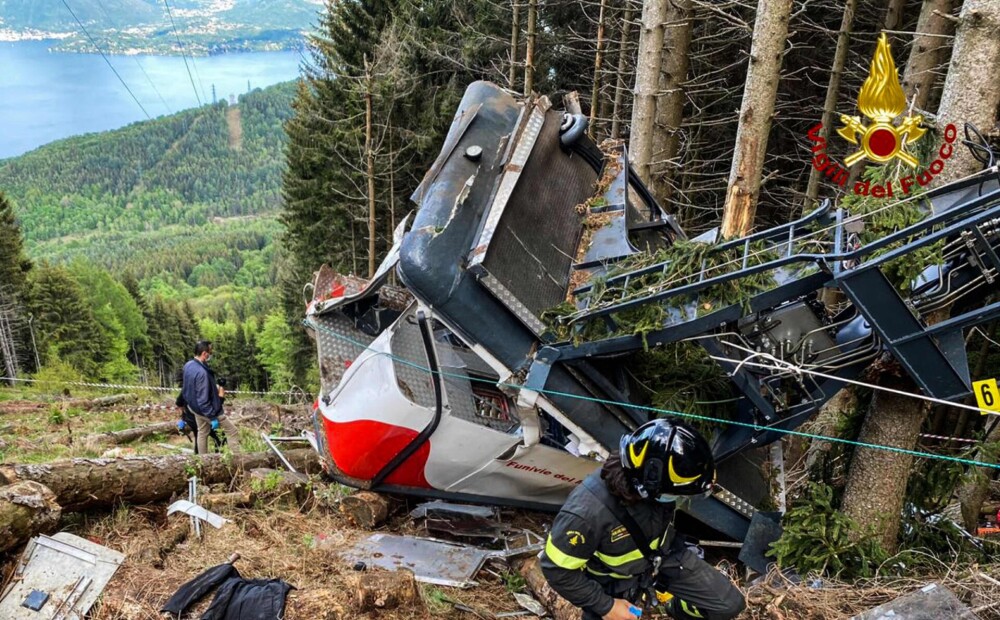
(882, 138)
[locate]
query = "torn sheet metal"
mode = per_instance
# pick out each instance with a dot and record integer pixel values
(432, 561)
(931, 602)
(459, 520)
(72, 571)
(519, 544)
(189, 508)
(438, 506)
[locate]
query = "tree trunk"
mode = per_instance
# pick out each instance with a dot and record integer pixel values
(515, 42)
(370, 173)
(832, 90)
(670, 99)
(647, 78)
(598, 62)
(616, 110)
(893, 15)
(971, 90)
(365, 509)
(770, 32)
(26, 508)
(976, 489)
(558, 607)
(927, 54)
(84, 484)
(973, 492)
(383, 590)
(132, 434)
(876, 483)
(529, 50)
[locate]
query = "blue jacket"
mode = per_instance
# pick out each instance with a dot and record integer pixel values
(199, 389)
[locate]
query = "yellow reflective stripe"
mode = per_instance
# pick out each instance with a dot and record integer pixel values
(612, 575)
(563, 560)
(631, 556)
(691, 611)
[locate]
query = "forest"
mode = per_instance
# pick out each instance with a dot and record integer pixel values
(177, 217)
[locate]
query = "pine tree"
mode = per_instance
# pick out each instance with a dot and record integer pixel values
(63, 321)
(13, 272)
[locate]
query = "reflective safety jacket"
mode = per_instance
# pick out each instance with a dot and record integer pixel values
(588, 550)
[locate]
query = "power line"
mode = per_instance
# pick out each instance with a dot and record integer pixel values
(166, 3)
(136, 59)
(99, 51)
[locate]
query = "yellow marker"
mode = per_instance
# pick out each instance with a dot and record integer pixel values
(987, 395)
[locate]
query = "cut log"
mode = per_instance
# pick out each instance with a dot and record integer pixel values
(103, 401)
(365, 509)
(132, 434)
(213, 501)
(84, 484)
(26, 508)
(165, 541)
(386, 590)
(560, 608)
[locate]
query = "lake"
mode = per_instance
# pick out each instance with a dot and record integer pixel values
(46, 96)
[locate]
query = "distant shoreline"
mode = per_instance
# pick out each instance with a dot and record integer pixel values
(71, 43)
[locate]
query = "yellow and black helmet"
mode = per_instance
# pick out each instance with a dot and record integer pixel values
(666, 458)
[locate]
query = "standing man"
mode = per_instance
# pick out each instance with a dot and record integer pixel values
(204, 398)
(612, 549)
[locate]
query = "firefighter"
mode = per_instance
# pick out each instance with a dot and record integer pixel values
(594, 556)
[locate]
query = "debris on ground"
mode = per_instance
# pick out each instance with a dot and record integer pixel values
(930, 602)
(59, 577)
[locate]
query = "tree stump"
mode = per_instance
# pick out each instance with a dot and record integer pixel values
(26, 508)
(365, 509)
(386, 590)
(560, 608)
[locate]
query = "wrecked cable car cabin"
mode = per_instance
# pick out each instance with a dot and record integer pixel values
(451, 384)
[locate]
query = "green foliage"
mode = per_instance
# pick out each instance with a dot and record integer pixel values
(55, 372)
(682, 377)
(438, 603)
(818, 538)
(178, 169)
(56, 415)
(14, 265)
(116, 421)
(682, 260)
(513, 581)
(275, 351)
(268, 483)
(880, 221)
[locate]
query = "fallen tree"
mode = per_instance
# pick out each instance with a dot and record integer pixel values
(132, 434)
(560, 608)
(26, 508)
(86, 484)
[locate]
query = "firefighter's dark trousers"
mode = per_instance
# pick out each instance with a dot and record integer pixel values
(699, 590)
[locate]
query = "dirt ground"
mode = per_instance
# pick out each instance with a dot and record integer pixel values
(301, 544)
